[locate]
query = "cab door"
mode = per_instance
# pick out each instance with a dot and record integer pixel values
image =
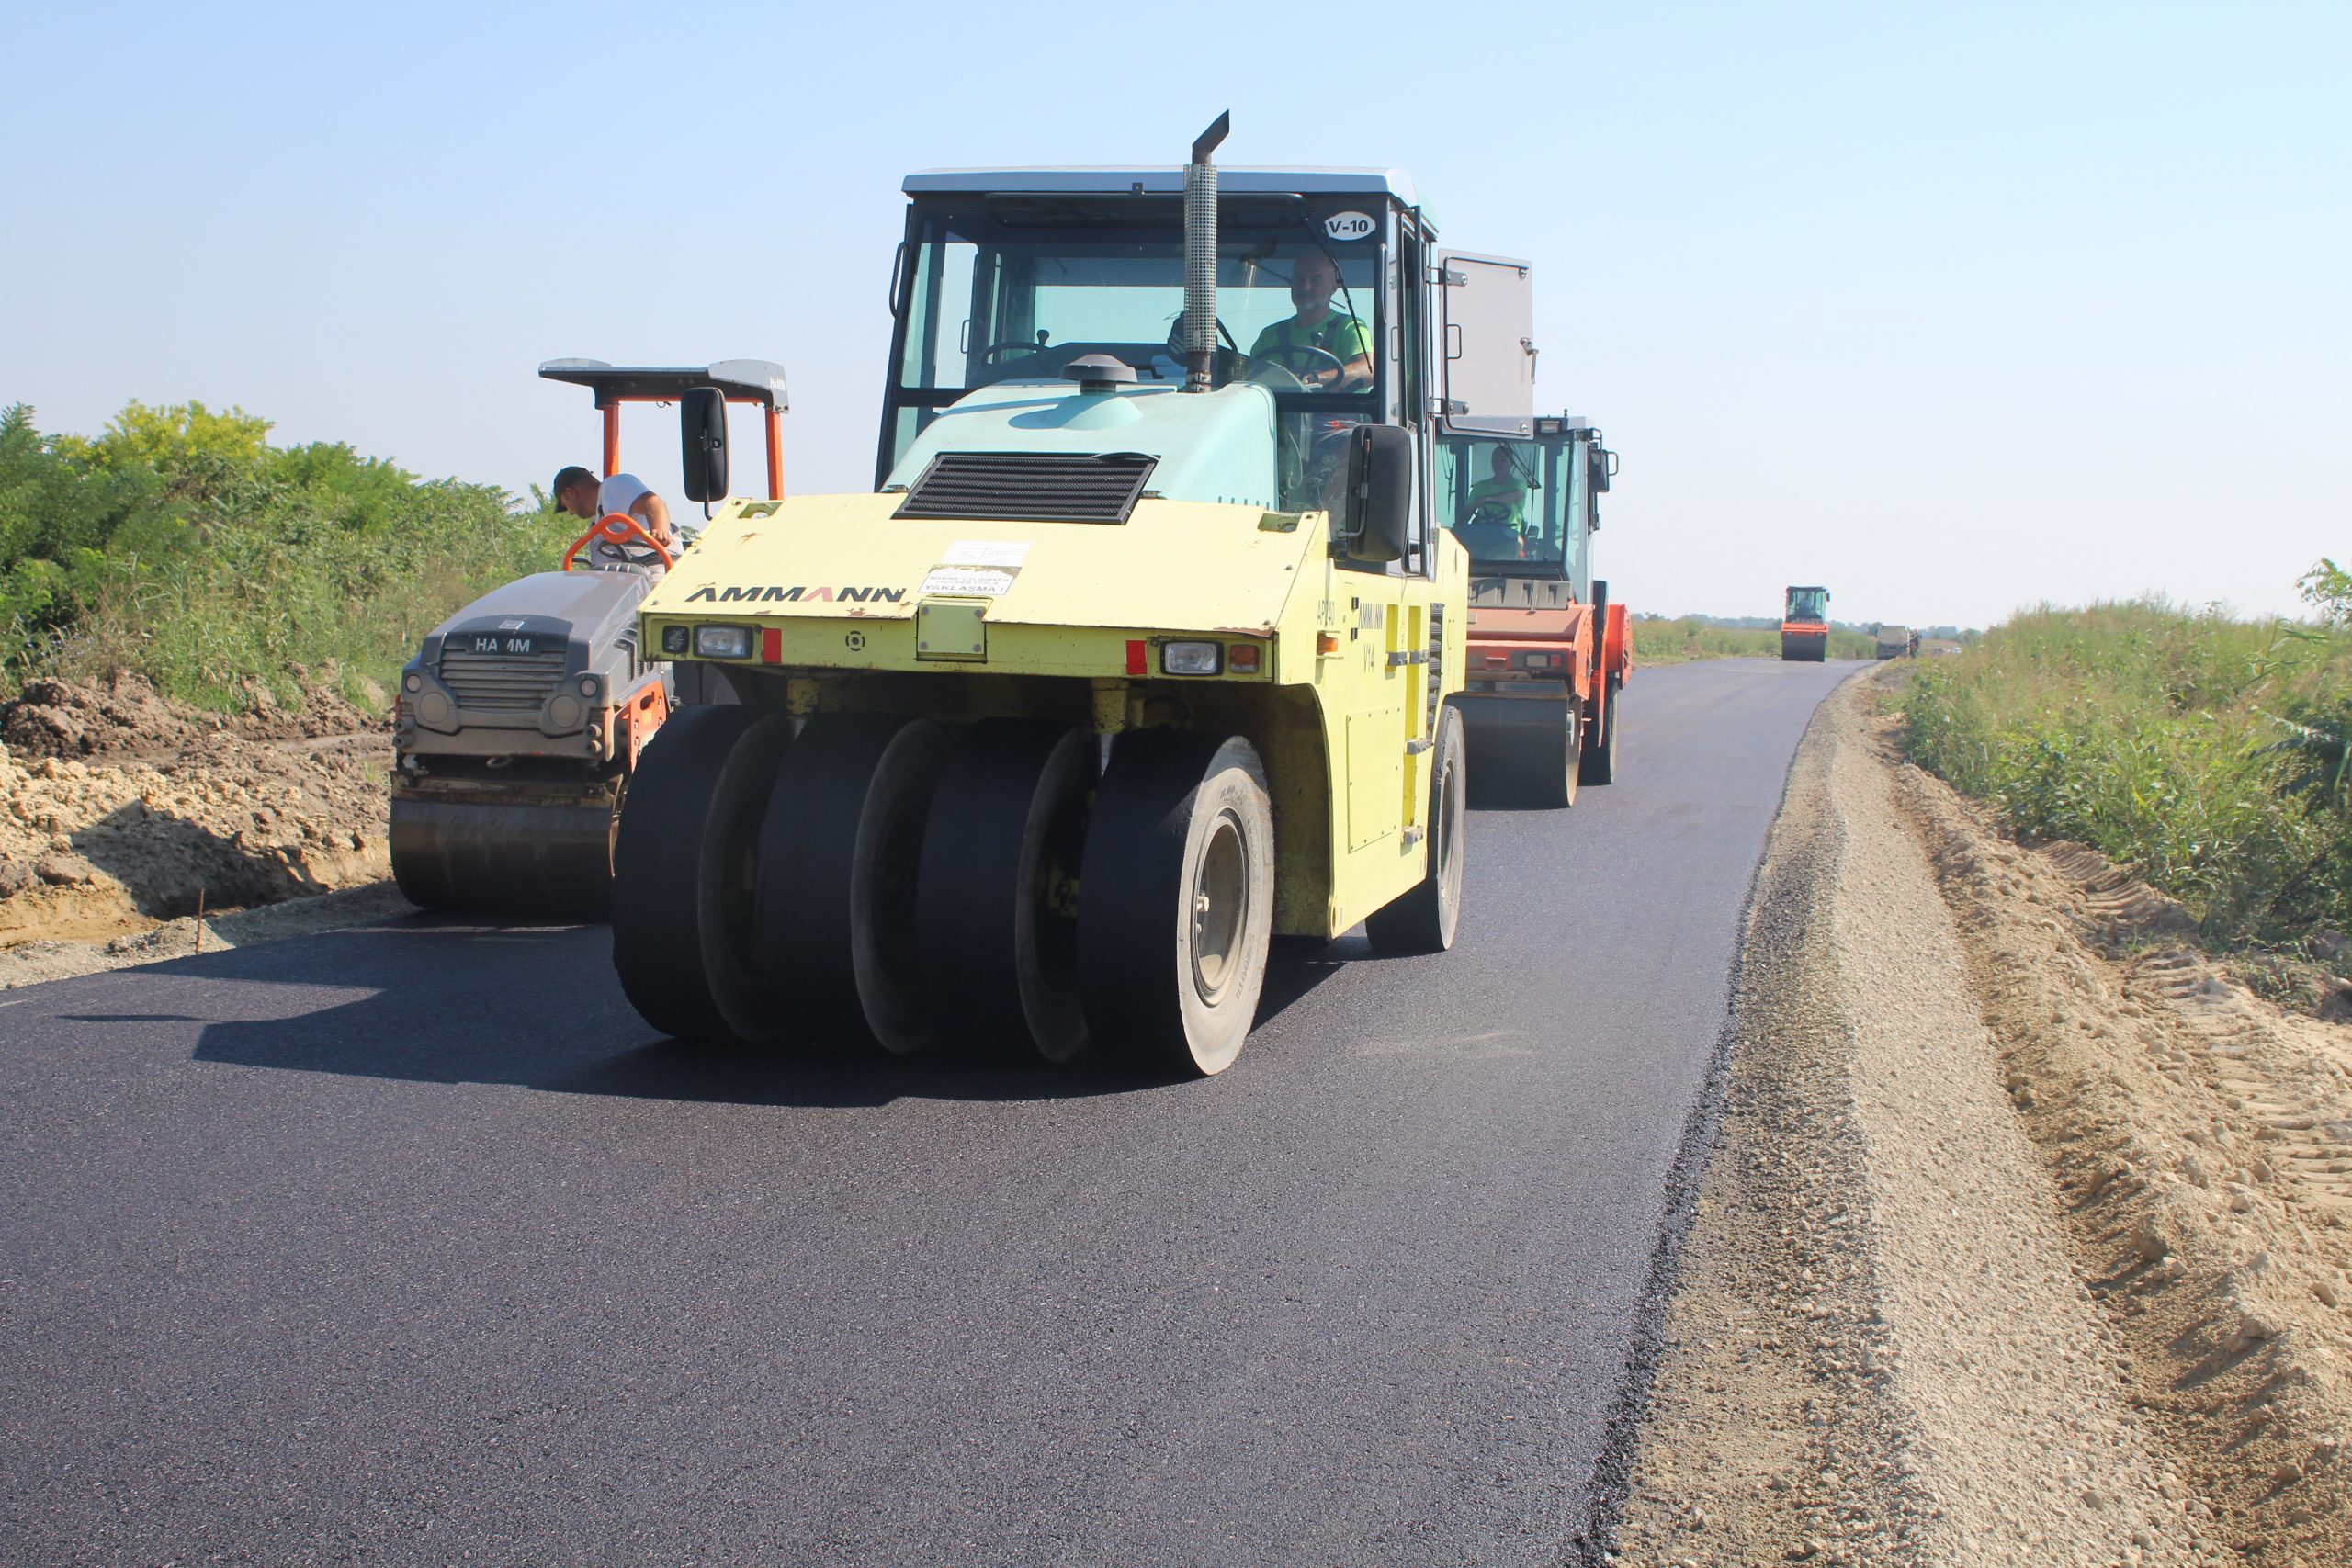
(1486, 306)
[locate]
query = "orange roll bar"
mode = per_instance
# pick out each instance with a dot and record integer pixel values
(774, 433)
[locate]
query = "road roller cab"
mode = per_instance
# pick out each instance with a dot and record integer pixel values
(1140, 653)
(520, 719)
(1548, 652)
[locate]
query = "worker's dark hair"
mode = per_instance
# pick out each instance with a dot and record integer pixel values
(566, 477)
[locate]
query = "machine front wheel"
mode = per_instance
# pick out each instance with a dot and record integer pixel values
(1527, 766)
(685, 871)
(1176, 900)
(839, 850)
(503, 858)
(1601, 743)
(997, 905)
(1425, 920)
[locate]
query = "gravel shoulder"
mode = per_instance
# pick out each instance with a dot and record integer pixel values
(2019, 1242)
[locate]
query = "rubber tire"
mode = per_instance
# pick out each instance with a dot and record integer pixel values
(1425, 920)
(683, 948)
(1600, 763)
(1165, 797)
(1546, 771)
(1011, 807)
(839, 853)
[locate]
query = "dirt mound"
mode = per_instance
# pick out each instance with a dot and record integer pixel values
(2202, 1139)
(126, 718)
(120, 808)
(33, 962)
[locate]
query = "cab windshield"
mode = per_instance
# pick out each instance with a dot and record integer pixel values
(1509, 504)
(1808, 604)
(1014, 288)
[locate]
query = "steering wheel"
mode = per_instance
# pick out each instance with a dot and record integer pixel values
(616, 528)
(1294, 373)
(989, 355)
(1491, 514)
(1224, 363)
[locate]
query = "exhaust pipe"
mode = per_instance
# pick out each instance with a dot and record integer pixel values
(1199, 258)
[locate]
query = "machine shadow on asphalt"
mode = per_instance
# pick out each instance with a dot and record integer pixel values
(579, 1038)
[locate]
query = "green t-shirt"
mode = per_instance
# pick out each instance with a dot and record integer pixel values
(1508, 497)
(1342, 337)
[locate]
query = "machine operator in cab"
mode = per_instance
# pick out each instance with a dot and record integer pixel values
(1499, 500)
(588, 497)
(1328, 351)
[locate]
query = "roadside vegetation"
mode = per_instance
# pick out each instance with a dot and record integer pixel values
(1657, 640)
(180, 545)
(2206, 754)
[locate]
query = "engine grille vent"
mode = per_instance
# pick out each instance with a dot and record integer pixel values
(511, 682)
(1042, 487)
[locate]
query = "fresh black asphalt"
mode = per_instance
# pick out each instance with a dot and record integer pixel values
(411, 1243)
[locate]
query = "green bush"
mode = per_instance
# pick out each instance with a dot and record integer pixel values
(2182, 745)
(179, 544)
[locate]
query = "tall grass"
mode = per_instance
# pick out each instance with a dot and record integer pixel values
(1681, 641)
(2166, 737)
(285, 588)
(182, 546)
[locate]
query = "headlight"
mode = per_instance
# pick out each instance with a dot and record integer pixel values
(412, 681)
(1191, 658)
(723, 642)
(588, 686)
(674, 640)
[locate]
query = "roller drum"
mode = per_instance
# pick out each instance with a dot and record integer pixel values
(504, 858)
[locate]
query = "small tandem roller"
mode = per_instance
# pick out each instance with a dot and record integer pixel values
(520, 721)
(1142, 653)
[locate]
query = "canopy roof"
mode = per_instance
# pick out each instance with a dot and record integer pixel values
(743, 380)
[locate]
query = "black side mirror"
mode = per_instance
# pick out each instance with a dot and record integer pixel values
(702, 438)
(1379, 503)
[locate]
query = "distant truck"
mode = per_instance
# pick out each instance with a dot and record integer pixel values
(1895, 642)
(1548, 652)
(1804, 626)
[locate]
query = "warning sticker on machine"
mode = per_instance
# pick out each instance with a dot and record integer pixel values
(967, 579)
(978, 566)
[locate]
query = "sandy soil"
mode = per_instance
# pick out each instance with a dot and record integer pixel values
(2022, 1238)
(120, 812)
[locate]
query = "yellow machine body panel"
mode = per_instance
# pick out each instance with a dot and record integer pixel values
(849, 609)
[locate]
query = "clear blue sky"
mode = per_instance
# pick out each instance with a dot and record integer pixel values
(1951, 308)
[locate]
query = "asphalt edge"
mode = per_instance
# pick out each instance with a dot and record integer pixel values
(1610, 1483)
